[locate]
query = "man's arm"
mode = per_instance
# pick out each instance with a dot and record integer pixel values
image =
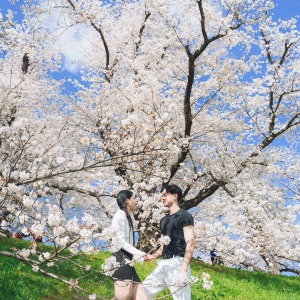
(156, 254)
(189, 238)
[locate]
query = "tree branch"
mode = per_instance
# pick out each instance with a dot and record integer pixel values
(137, 44)
(99, 30)
(26, 261)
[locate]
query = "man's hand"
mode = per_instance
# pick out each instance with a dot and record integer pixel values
(149, 258)
(157, 254)
(181, 279)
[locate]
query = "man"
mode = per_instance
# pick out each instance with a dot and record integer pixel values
(213, 257)
(173, 270)
(216, 259)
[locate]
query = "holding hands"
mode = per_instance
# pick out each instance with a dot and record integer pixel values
(148, 258)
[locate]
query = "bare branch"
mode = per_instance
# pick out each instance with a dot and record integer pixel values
(138, 43)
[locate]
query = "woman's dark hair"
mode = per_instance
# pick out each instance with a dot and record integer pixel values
(122, 197)
(121, 200)
(174, 189)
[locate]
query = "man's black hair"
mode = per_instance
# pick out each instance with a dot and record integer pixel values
(174, 189)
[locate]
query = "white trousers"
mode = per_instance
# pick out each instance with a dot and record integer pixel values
(166, 275)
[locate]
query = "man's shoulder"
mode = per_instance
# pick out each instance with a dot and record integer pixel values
(186, 218)
(184, 213)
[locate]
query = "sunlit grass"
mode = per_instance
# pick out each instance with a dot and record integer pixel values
(19, 282)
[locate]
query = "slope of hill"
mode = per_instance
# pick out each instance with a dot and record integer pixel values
(18, 281)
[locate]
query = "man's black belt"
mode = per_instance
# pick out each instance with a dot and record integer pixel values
(167, 256)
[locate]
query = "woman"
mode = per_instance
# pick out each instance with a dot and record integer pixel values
(126, 281)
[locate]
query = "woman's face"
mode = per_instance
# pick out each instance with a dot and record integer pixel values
(131, 203)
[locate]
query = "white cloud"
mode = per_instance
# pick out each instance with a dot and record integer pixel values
(73, 41)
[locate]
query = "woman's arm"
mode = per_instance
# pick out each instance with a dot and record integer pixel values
(119, 223)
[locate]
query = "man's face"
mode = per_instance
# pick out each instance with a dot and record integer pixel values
(167, 198)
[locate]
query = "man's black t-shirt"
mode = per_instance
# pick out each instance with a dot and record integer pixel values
(172, 226)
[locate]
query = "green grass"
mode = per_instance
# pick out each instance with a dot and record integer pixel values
(17, 281)
(242, 285)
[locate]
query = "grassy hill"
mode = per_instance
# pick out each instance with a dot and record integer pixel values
(17, 281)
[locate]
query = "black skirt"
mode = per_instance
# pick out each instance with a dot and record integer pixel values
(125, 271)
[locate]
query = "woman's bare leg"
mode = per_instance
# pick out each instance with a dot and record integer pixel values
(122, 290)
(138, 292)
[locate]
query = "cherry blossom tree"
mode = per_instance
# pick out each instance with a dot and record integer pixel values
(204, 94)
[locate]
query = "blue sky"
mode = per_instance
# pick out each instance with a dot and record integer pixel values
(284, 9)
